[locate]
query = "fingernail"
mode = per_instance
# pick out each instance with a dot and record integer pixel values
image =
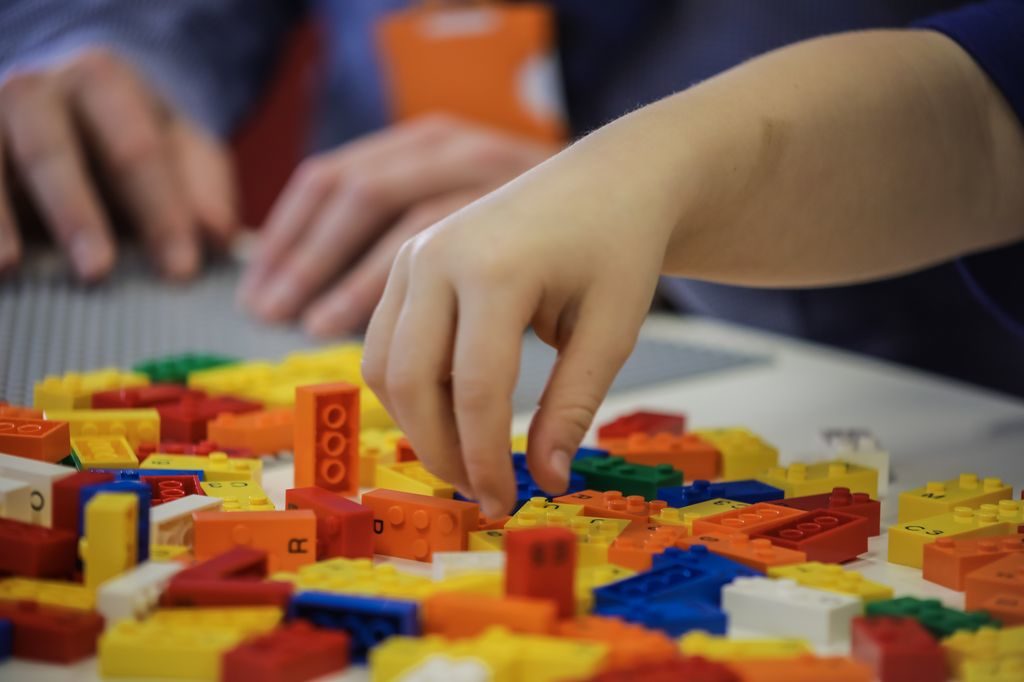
(91, 256)
(181, 258)
(491, 507)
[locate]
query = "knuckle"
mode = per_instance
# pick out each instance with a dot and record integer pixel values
(473, 393)
(96, 65)
(365, 191)
(577, 413)
(21, 85)
(400, 384)
(140, 144)
(316, 173)
(487, 151)
(436, 123)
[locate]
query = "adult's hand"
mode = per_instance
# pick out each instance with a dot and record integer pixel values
(331, 238)
(94, 114)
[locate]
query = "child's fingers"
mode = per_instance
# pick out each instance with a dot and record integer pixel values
(381, 328)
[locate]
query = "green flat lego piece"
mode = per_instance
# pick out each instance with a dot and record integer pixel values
(174, 369)
(938, 619)
(615, 473)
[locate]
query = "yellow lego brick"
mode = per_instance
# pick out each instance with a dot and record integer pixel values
(217, 466)
(104, 452)
(685, 516)
(589, 578)
(393, 658)
(540, 513)
(340, 363)
(998, 670)
(518, 442)
(246, 620)
(239, 495)
(594, 536)
(833, 578)
(73, 391)
(489, 583)
(412, 477)
(366, 579)
(487, 540)
(109, 547)
(715, 648)
(907, 540)
(154, 649)
(138, 425)
(52, 592)
(939, 497)
(376, 446)
(236, 378)
(801, 479)
(169, 553)
(372, 414)
(744, 454)
(402, 657)
(985, 644)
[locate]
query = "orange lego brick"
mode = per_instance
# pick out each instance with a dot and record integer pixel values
(947, 561)
(1008, 609)
(414, 526)
(691, 454)
(802, 669)
(288, 537)
(629, 645)
(612, 504)
(263, 432)
(39, 439)
(327, 437)
(463, 614)
(19, 411)
(637, 545)
(759, 554)
(750, 519)
(485, 523)
(1001, 577)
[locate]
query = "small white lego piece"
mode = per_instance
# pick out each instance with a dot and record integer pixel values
(447, 564)
(782, 608)
(171, 523)
(15, 500)
(40, 477)
(441, 668)
(135, 593)
(860, 446)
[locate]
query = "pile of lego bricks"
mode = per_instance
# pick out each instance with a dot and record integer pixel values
(134, 527)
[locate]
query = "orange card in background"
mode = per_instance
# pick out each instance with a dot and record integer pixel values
(490, 63)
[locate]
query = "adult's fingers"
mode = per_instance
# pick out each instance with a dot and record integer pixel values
(46, 154)
(208, 176)
(587, 364)
(10, 241)
(130, 137)
(349, 303)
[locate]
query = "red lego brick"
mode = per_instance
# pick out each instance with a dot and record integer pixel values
(293, 653)
(65, 497)
(404, 451)
(36, 551)
(167, 488)
(414, 526)
(1003, 577)
(1008, 609)
(691, 454)
(19, 412)
(327, 437)
(343, 528)
(203, 447)
(824, 535)
(947, 561)
(226, 592)
(651, 423)
(40, 439)
(612, 504)
(541, 563)
(747, 520)
(636, 546)
(898, 649)
(690, 669)
(50, 633)
(238, 563)
(187, 419)
(142, 396)
(840, 499)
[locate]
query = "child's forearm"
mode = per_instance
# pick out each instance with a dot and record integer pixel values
(837, 160)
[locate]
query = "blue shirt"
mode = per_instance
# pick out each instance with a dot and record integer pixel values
(212, 58)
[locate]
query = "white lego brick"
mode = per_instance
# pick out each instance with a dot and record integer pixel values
(860, 446)
(171, 523)
(441, 668)
(782, 608)
(134, 594)
(447, 564)
(15, 500)
(40, 477)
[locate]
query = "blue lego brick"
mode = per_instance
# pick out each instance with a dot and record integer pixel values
(526, 487)
(6, 638)
(674, 618)
(583, 453)
(666, 583)
(749, 491)
(137, 488)
(367, 620)
(698, 556)
(139, 474)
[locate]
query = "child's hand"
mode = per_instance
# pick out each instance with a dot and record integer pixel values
(557, 250)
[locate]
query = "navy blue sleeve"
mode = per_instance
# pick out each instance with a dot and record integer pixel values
(993, 34)
(209, 58)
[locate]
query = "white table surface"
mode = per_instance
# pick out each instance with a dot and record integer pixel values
(933, 427)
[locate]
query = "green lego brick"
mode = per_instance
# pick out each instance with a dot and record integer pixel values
(174, 369)
(615, 473)
(940, 620)
(70, 461)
